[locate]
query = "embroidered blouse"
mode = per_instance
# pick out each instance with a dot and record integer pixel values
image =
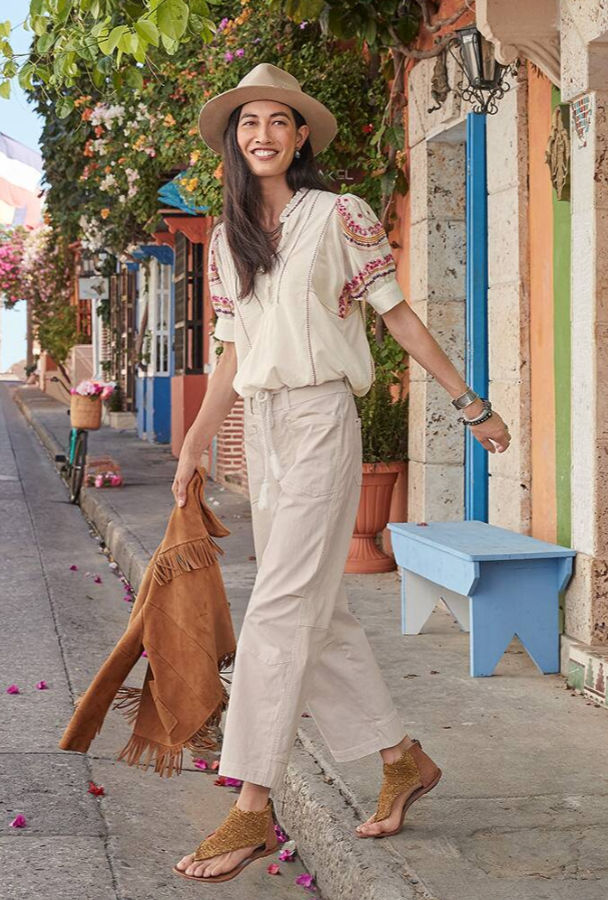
(304, 323)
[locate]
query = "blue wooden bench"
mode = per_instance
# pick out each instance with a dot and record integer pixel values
(497, 584)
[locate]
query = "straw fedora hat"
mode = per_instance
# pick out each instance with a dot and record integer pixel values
(266, 82)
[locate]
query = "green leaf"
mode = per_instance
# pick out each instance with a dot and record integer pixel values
(147, 31)
(36, 7)
(170, 45)
(172, 18)
(134, 78)
(45, 42)
(64, 107)
(99, 78)
(39, 24)
(5, 89)
(128, 42)
(9, 69)
(5, 29)
(25, 76)
(109, 45)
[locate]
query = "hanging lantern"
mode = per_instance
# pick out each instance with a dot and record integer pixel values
(485, 77)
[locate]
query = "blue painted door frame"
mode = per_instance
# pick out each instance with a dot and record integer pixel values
(476, 458)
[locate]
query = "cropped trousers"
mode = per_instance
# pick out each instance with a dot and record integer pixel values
(300, 648)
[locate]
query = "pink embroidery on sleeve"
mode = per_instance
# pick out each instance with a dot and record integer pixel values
(359, 285)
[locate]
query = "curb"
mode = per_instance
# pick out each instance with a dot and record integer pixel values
(314, 805)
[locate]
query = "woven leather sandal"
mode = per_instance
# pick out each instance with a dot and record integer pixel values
(405, 781)
(239, 829)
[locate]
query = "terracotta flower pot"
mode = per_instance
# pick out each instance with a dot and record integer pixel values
(364, 555)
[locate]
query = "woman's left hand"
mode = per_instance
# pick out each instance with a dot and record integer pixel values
(492, 434)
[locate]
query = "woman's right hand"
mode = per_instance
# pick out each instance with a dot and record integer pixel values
(186, 466)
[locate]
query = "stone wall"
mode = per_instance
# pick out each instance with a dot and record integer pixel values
(508, 305)
(437, 246)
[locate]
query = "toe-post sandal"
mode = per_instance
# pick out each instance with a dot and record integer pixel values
(412, 776)
(241, 828)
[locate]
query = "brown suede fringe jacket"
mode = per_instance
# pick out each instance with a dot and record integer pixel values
(181, 618)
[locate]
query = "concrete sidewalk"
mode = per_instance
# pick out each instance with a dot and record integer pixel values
(521, 810)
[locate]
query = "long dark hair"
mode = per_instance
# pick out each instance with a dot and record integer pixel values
(251, 247)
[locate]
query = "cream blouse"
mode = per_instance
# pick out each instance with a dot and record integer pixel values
(304, 323)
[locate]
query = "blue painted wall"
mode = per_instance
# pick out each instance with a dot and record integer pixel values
(476, 458)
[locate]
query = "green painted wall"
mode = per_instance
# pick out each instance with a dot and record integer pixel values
(561, 294)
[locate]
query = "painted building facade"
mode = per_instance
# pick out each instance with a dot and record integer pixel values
(546, 302)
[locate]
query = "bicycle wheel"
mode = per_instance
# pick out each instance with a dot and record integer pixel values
(78, 463)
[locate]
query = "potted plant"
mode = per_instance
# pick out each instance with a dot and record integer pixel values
(383, 412)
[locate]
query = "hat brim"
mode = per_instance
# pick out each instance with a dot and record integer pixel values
(214, 115)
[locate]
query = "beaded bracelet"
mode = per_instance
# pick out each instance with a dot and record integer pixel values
(483, 417)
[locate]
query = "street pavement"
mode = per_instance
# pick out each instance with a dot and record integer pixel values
(521, 810)
(58, 625)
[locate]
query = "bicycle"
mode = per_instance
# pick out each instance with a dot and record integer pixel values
(73, 466)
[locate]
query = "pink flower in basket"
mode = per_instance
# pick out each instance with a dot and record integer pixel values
(99, 481)
(94, 389)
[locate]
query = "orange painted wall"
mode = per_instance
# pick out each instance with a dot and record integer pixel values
(542, 383)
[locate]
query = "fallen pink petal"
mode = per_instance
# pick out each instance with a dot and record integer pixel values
(288, 852)
(215, 765)
(201, 764)
(281, 836)
(232, 782)
(73, 568)
(273, 869)
(42, 686)
(306, 881)
(97, 579)
(12, 689)
(18, 822)
(144, 653)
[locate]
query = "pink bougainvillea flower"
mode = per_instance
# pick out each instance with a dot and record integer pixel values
(273, 869)
(281, 836)
(288, 852)
(144, 653)
(240, 52)
(228, 56)
(12, 689)
(96, 789)
(97, 579)
(18, 822)
(232, 782)
(220, 780)
(215, 765)
(73, 568)
(42, 686)
(306, 881)
(201, 764)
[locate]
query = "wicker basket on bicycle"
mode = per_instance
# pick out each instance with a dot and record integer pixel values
(85, 412)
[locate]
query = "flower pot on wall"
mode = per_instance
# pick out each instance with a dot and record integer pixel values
(364, 555)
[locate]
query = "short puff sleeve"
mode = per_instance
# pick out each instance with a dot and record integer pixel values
(370, 272)
(221, 302)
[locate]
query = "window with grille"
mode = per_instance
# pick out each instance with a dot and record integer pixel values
(189, 308)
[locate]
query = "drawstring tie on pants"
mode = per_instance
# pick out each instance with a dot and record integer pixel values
(272, 467)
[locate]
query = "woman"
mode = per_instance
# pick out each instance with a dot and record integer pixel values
(289, 266)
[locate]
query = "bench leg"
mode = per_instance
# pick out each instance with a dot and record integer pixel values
(515, 600)
(419, 597)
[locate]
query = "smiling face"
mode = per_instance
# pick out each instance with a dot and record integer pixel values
(268, 137)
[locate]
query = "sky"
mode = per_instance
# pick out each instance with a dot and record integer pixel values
(18, 120)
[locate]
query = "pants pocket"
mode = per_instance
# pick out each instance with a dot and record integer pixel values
(316, 440)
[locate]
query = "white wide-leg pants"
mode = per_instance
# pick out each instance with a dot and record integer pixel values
(300, 647)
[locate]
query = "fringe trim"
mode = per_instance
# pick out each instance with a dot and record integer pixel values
(167, 760)
(186, 557)
(127, 701)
